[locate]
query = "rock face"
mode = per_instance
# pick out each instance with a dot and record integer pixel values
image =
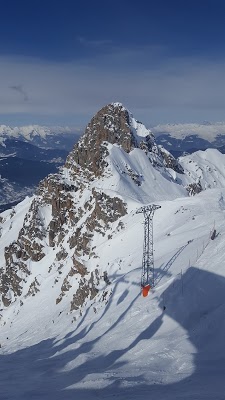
(194, 188)
(170, 161)
(110, 124)
(114, 124)
(70, 212)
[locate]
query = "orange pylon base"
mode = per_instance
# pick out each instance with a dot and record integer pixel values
(145, 290)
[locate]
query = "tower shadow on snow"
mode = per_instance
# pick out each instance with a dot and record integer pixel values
(160, 272)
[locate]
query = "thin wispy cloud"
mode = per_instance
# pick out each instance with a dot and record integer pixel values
(19, 89)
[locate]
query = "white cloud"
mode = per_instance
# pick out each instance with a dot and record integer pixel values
(155, 90)
(208, 131)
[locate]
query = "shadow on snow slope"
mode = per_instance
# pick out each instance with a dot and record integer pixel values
(163, 269)
(33, 373)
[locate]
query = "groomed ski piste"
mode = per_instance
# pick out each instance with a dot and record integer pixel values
(168, 345)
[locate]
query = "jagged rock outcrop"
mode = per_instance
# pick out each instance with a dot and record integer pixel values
(110, 124)
(14, 273)
(106, 209)
(114, 124)
(87, 290)
(32, 233)
(170, 161)
(194, 188)
(33, 289)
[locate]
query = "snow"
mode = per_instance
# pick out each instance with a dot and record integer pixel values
(140, 129)
(154, 185)
(118, 104)
(129, 347)
(169, 345)
(207, 166)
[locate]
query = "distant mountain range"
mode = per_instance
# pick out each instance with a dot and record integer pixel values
(180, 138)
(42, 136)
(27, 155)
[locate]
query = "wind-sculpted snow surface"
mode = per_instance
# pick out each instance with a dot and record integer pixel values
(73, 321)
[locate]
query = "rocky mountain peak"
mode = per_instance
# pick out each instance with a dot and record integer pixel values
(74, 211)
(111, 124)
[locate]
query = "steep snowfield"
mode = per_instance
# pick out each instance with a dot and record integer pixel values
(206, 167)
(123, 345)
(131, 176)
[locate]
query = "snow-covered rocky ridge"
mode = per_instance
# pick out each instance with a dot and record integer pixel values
(115, 166)
(70, 261)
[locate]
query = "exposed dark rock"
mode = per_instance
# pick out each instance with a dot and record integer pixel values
(33, 289)
(194, 188)
(170, 161)
(86, 290)
(106, 278)
(61, 255)
(78, 268)
(110, 124)
(134, 176)
(12, 276)
(32, 232)
(106, 209)
(81, 242)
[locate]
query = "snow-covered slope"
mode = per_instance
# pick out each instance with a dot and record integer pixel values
(204, 167)
(121, 344)
(115, 166)
(73, 321)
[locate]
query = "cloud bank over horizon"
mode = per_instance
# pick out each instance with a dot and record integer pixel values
(185, 89)
(208, 131)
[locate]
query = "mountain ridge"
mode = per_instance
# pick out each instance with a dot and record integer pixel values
(97, 172)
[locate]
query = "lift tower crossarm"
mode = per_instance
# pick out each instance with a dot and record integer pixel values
(147, 277)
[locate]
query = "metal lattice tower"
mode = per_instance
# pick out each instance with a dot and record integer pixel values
(147, 277)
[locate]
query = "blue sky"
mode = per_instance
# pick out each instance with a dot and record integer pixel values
(60, 61)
